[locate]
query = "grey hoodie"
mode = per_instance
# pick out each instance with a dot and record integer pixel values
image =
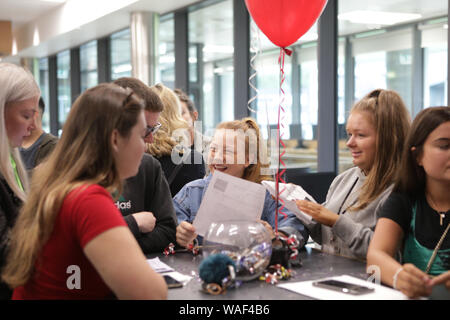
(351, 234)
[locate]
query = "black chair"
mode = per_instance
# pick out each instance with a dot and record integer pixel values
(315, 183)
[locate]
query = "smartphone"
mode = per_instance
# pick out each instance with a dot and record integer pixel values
(344, 287)
(172, 282)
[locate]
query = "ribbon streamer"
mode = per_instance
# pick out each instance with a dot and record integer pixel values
(280, 143)
(275, 273)
(256, 49)
(192, 247)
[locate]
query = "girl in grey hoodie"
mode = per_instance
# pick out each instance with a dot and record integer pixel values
(377, 128)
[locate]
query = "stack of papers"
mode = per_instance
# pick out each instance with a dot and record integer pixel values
(158, 265)
(289, 193)
(380, 293)
(184, 279)
(161, 267)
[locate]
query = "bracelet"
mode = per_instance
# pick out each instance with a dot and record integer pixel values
(394, 284)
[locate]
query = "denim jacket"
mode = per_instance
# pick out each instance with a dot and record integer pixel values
(187, 202)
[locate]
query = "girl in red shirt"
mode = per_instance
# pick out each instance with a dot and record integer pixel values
(70, 241)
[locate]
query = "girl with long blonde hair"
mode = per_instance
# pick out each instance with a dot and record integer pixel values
(180, 162)
(19, 96)
(236, 149)
(377, 128)
(70, 241)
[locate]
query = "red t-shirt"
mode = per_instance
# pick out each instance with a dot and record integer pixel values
(85, 213)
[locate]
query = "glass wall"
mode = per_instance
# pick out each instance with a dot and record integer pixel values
(120, 54)
(387, 45)
(390, 67)
(166, 48)
(434, 44)
(211, 80)
(43, 84)
(300, 99)
(382, 44)
(88, 65)
(64, 92)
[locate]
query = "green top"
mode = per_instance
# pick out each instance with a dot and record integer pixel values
(419, 255)
(16, 174)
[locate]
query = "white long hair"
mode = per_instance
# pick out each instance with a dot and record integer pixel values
(16, 84)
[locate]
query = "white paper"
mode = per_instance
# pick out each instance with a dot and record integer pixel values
(306, 288)
(229, 198)
(184, 279)
(158, 265)
(161, 267)
(291, 192)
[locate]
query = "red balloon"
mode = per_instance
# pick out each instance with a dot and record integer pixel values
(285, 21)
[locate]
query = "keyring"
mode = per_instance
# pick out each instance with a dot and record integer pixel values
(214, 289)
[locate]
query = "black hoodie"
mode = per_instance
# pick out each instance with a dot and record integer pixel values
(149, 191)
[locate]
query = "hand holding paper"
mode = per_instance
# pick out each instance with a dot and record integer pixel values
(229, 198)
(290, 193)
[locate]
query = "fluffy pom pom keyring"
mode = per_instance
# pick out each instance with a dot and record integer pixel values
(218, 271)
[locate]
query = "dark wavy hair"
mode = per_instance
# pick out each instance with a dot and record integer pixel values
(411, 176)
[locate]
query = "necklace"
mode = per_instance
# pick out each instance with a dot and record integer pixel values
(440, 213)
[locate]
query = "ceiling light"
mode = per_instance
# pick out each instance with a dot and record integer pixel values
(378, 17)
(55, 1)
(36, 38)
(14, 47)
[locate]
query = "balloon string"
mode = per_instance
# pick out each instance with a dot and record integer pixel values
(253, 48)
(281, 146)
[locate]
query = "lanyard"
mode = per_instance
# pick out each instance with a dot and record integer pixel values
(345, 199)
(16, 174)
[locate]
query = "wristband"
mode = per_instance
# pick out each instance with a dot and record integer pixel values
(394, 283)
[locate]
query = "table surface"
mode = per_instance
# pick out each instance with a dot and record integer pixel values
(315, 265)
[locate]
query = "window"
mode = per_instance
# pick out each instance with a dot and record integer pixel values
(43, 84)
(381, 53)
(300, 101)
(211, 80)
(88, 65)
(166, 49)
(434, 44)
(120, 54)
(64, 92)
(384, 61)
